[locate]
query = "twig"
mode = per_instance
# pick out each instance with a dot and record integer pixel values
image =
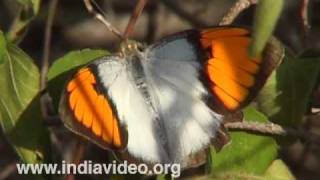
(306, 148)
(8, 170)
(46, 54)
(80, 150)
(101, 18)
(304, 15)
(272, 129)
(180, 12)
(47, 43)
(134, 17)
(235, 10)
(265, 128)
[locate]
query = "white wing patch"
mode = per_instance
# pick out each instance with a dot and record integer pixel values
(133, 112)
(189, 123)
(181, 123)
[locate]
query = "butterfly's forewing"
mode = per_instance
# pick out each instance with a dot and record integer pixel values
(174, 67)
(199, 70)
(87, 109)
(233, 77)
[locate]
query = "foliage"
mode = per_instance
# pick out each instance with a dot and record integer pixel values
(28, 9)
(246, 149)
(63, 67)
(20, 115)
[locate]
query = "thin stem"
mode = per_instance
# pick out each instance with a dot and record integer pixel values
(235, 10)
(304, 15)
(134, 17)
(102, 19)
(46, 54)
(265, 128)
(8, 170)
(77, 156)
(273, 129)
(47, 43)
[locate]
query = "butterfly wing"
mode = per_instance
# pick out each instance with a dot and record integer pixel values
(233, 77)
(88, 110)
(174, 69)
(106, 103)
(193, 73)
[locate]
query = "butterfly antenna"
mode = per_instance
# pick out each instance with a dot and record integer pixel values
(134, 17)
(101, 18)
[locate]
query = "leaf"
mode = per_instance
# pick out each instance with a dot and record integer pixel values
(19, 106)
(266, 17)
(285, 96)
(28, 9)
(247, 152)
(34, 4)
(278, 170)
(161, 177)
(2, 47)
(63, 67)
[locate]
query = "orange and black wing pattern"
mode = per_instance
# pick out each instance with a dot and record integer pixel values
(88, 112)
(234, 77)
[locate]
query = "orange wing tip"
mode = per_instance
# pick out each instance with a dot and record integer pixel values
(221, 68)
(117, 140)
(73, 98)
(231, 87)
(234, 50)
(92, 110)
(228, 101)
(82, 74)
(78, 111)
(215, 33)
(96, 127)
(87, 119)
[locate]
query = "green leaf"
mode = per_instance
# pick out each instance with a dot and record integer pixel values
(19, 106)
(247, 152)
(63, 67)
(2, 47)
(161, 177)
(34, 4)
(285, 96)
(266, 17)
(28, 9)
(278, 170)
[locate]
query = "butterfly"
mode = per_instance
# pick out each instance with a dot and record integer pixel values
(165, 102)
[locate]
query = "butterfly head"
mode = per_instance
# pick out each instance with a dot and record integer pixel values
(130, 47)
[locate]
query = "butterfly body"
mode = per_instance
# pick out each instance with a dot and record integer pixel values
(158, 102)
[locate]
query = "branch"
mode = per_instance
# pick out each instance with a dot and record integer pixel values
(8, 170)
(47, 43)
(273, 129)
(304, 15)
(77, 156)
(235, 10)
(46, 55)
(102, 19)
(134, 17)
(264, 128)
